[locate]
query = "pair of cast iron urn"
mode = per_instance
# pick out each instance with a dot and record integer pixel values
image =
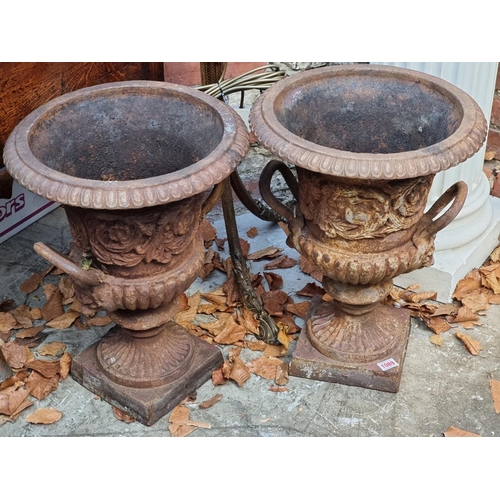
(132, 164)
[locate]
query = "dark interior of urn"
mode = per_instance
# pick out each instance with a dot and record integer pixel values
(367, 113)
(126, 135)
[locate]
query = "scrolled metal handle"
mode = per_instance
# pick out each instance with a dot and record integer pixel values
(458, 193)
(265, 187)
(212, 199)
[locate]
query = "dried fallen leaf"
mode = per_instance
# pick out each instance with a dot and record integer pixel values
(36, 313)
(25, 404)
(31, 284)
(12, 397)
(491, 277)
(436, 324)
(7, 322)
(44, 416)
(67, 290)
(466, 286)
(99, 321)
(489, 155)
(283, 338)
(208, 232)
(63, 321)
(49, 289)
(239, 371)
(201, 425)
(210, 402)
(310, 290)
(274, 302)
(46, 368)
(446, 310)
(53, 308)
(288, 322)
(20, 376)
(477, 300)
(273, 388)
(456, 432)
(225, 329)
(436, 339)
(472, 345)
(218, 377)
(178, 430)
(252, 232)
(247, 319)
(307, 267)
(52, 349)
(30, 332)
(40, 386)
(419, 297)
(188, 314)
(15, 355)
(265, 253)
(232, 291)
(178, 422)
(275, 350)
(282, 262)
(22, 316)
(264, 366)
(495, 255)
(495, 394)
(299, 308)
(275, 281)
(258, 345)
(281, 377)
(65, 365)
(121, 415)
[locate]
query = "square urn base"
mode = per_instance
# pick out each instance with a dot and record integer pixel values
(147, 405)
(382, 374)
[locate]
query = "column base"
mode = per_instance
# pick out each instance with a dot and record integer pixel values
(147, 405)
(451, 265)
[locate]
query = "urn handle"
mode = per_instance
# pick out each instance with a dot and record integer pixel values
(212, 199)
(265, 187)
(458, 193)
(89, 277)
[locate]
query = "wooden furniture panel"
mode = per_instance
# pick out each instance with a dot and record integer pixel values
(25, 86)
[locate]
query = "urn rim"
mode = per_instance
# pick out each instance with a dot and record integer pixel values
(460, 145)
(34, 175)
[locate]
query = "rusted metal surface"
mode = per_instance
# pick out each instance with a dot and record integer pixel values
(366, 142)
(299, 119)
(132, 164)
(126, 145)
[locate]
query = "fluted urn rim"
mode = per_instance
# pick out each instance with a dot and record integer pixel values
(196, 178)
(460, 145)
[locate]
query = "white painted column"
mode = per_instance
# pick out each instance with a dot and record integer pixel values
(470, 238)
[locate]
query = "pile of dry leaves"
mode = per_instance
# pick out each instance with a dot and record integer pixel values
(218, 317)
(36, 372)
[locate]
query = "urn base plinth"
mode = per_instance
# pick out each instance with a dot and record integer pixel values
(148, 404)
(382, 373)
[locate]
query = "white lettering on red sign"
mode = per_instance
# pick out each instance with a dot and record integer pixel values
(388, 364)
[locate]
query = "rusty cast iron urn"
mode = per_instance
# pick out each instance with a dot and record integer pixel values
(133, 164)
(367, 141)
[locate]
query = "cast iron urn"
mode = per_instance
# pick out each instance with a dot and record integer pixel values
(133, 164)
(366, 141)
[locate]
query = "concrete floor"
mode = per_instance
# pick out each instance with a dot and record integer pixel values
(440, 387)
